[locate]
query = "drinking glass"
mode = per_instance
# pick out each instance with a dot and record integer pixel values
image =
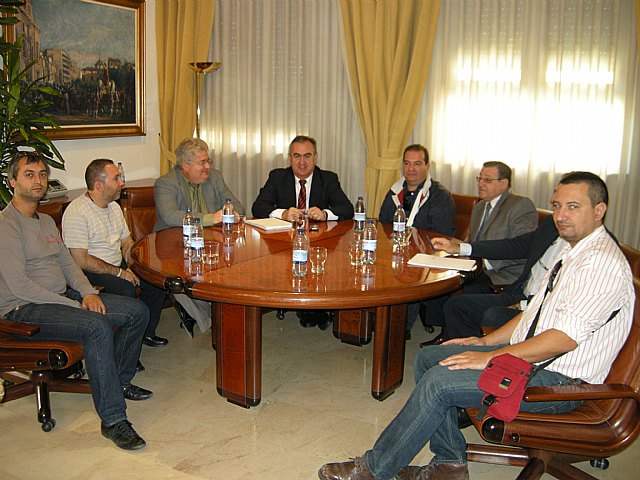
(317, 257)
(211, 254)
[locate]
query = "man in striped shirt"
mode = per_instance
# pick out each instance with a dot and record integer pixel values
(593, 281)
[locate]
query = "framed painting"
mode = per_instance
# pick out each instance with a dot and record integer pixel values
(92, 52)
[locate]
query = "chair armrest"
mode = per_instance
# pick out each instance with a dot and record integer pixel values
(580, 392)
(18, 328)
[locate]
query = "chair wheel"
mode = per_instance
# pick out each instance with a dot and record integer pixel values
(79, 374)
(601, 463)
(429, 329)
(280, 314)
(48, 425)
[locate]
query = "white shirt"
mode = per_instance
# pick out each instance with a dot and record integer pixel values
(594, 281)
(100, 231)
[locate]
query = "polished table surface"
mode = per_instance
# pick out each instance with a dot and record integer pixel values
(254, 274)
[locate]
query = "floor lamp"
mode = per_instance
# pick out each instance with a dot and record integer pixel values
(201, 69)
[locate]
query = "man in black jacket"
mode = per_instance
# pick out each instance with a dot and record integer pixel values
(302, 187)
(464, 315)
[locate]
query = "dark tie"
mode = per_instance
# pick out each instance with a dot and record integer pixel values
(302, 196)
(485, 221)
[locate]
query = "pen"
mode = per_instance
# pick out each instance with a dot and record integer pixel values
(430, 243)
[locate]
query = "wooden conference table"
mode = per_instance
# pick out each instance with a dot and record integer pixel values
(254, 276)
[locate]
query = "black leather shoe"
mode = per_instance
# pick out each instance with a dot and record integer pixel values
(123, 435)
(134, 392)
(463, 419)
(155, 341)
(140, 367)
(436, 341)
(307, 318)
(186, 321)
(323, 320)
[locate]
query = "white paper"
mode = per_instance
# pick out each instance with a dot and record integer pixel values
(446, 263)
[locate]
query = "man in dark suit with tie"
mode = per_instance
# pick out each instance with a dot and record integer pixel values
(303, 188)
(499, 214)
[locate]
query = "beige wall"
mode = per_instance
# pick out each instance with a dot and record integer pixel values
(139, 155)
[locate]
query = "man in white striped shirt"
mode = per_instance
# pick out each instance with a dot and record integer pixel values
(593, 281)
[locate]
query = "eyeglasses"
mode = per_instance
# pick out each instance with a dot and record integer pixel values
(202, 163)
(553, 275)
(487, 179)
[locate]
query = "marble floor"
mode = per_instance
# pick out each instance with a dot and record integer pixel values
(316, 407)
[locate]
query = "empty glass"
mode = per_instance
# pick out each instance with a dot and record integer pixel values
(211, 254)
(355, 252)
(317, 257)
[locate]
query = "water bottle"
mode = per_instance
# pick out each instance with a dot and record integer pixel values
(121, 170)
(359, 215)
(228, 219)
(300, 251)
(369, 243)
(197, 242)
(187, 231)
(399, 226)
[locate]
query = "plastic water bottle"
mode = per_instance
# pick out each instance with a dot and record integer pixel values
(121, 170)
(369, 243)
(399, 226)
(197, 242)
(359, 216)
(300, 252)
(228, 219)
(187, 231)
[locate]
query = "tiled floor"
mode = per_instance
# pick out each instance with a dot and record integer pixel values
(316, 407)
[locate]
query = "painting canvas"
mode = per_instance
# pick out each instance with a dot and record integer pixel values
(92, 52)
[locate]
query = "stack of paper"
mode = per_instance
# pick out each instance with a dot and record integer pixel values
(269, 224)
(445, 263)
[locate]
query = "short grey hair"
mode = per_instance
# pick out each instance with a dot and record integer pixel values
(186, 151)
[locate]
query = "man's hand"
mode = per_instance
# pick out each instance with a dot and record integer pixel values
(292, 214)
(446, 244)
(466, 341)
(93, 303)
(130, 277)
(467, 360)
(217, 217)
(317, 215)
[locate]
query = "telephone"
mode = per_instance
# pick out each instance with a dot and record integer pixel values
(56, 189)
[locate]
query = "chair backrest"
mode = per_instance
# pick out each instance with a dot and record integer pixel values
(633, 256)
(139, 209)
(542, 214)
(464, 207)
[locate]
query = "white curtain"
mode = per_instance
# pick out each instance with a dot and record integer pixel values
(547, 86)
(282, 74)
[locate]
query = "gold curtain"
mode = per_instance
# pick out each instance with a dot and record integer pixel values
(183, 34)
(388, 48)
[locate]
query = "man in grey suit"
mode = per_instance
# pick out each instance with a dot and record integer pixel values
(192, 183)
(499, 214)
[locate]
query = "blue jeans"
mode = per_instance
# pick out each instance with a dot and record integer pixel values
(152, 296)
(430, 414)
(111, 343)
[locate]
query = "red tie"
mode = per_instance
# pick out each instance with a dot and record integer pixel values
(302, 196)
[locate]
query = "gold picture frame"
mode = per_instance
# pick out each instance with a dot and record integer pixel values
(93, 52)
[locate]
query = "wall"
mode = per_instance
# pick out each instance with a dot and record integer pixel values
(139, 155)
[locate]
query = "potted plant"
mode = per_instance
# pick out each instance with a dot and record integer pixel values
(23, 104)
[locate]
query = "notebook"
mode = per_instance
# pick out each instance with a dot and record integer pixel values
(269, 224)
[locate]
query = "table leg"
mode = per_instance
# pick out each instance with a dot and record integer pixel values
(353, 326)
(388, 350)
(238, 331)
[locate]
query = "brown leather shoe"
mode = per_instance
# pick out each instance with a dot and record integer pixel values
(435, 471)
(356, 469)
